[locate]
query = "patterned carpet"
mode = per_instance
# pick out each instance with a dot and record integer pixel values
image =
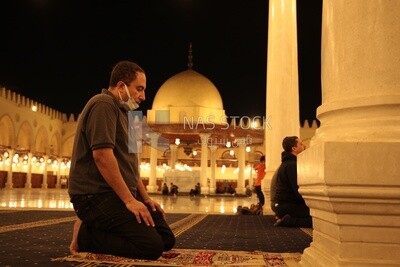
(41, 238)
(190, 257)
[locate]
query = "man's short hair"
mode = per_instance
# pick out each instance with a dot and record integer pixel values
(125, 71)
(262, 158)
(289, 142)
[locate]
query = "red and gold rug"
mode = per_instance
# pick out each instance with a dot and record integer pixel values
(190, 257)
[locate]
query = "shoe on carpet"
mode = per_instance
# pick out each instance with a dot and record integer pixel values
(283, 221)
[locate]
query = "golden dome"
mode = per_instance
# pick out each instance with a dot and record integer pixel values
(187, 89)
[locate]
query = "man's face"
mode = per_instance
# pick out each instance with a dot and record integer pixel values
(137, 88)
(300, 147)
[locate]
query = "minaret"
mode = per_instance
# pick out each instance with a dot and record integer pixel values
(190, 57)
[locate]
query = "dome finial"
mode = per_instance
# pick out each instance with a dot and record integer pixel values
(190, 57)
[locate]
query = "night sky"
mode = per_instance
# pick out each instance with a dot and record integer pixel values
(54, 50)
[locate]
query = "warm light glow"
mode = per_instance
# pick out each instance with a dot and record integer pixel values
(177, 141)
(231, 152)
(34, 108)
(248, 149)
(228, 144)
(255, 124)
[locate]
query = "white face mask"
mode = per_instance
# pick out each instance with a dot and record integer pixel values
(130, 104)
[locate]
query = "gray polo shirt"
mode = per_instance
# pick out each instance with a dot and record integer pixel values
(103, 123)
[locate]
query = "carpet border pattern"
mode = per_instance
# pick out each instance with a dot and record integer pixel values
(189, 257)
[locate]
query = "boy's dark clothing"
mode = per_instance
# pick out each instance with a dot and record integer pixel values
(288, 200)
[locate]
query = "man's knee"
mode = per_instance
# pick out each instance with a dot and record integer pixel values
(152, 249)
(169, 242)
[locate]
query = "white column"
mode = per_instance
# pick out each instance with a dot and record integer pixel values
(9, 183)
(152, 186)
(173, 148)
(44, 184)
(350, 175)
(58, 183)
(28, 183)
(213, 165)
(241, 188)
(204, 164)
(282, 81)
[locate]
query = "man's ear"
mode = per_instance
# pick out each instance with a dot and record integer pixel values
(121, 86)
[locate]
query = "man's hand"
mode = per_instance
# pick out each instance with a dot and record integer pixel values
(141, 212)
(155, 206)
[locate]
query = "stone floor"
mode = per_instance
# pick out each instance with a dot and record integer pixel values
(58, 199)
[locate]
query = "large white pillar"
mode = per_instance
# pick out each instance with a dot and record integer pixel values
(282, 82)
(350, 175)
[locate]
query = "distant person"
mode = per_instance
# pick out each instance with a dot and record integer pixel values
(196, 190)
(220, 190)
(173, 189)
(248, 192)
(165, 189)
(260, 169)
(231, 190)
(116, 215)
(290, 206)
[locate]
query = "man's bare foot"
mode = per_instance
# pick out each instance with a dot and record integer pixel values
(73, 247)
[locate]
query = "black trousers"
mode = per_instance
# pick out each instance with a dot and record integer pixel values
(260, 194)
(299, 214)
(109, 227)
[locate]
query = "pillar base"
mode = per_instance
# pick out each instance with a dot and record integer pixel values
(152, 188)
(205, 190)
(352, 189)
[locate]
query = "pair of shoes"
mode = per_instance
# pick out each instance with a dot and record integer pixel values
(283, 221)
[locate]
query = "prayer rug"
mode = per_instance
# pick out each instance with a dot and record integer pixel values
(189, 257)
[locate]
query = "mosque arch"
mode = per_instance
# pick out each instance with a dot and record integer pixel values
(24, 136)
(41, 143)
(67, 146)
(7, 132)
(55, 142)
